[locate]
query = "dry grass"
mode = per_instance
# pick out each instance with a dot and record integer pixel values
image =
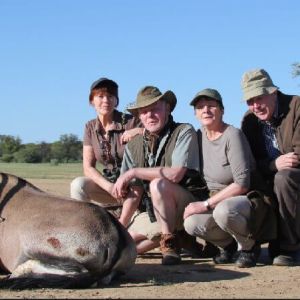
(42, 171)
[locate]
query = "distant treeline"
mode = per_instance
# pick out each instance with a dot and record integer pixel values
(67, 149)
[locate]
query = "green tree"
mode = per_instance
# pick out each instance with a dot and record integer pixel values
(9, 145)
(296, 69)
(30, 153)
(57, 151)
(67, 149)
(45, 150)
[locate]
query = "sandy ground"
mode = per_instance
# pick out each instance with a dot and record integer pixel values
(194, 278)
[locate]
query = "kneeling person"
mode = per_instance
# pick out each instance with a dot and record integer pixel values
(161, 163)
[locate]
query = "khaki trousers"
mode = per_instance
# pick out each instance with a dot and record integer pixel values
(229, 220)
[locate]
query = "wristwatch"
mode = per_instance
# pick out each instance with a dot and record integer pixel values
(206, 204)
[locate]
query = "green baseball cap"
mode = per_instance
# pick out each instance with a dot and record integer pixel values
(208, 93)
(257, 82)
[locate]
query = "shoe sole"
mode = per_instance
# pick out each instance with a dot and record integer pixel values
(245, 266)
(283, 264)
(170, 260)
(284, 261)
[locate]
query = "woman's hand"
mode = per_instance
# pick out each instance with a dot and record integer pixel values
(130, 134)
(194, 208)
(109, 187)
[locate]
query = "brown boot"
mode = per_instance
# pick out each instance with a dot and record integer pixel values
(169, 249)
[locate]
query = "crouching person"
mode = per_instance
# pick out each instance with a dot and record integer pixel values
(161, 164)
(272, 128)
(103, 143)
(233, 217)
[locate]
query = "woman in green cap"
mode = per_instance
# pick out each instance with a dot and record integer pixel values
(227, 163)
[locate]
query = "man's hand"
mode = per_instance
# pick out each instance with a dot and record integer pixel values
(120, 188)
(286, 161)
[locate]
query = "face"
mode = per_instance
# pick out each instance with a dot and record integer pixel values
(103, 102)
(155, 116)
(208, 112)
(263, 106)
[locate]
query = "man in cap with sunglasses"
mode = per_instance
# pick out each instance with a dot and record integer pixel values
(163, 165)
(272, 126)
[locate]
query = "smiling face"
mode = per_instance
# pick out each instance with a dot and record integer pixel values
(155, 116)
(263, 106)
(103, 102)
(209, 112)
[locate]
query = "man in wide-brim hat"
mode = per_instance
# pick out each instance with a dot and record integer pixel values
(149, 95)
(160, 163)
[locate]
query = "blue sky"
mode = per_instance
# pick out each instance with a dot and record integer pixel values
(51, 52)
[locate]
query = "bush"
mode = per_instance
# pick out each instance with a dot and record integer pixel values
(29, 153)
(54, 162)
(7, 158)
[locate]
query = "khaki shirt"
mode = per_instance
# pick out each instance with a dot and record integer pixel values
(94, 136)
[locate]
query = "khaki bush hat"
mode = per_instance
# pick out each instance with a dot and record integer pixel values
(257, 82)
(149, 95)
(208, 93)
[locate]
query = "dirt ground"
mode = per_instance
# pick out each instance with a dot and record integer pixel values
(193, 279)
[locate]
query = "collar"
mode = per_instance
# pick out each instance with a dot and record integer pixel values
(117, 123)
(153, 140)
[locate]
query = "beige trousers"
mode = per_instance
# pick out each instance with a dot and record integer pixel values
(85, 189)
(228, 220)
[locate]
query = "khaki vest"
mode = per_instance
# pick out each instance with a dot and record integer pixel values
(193, 181)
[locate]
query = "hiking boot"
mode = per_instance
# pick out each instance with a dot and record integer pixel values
(226, 255)
(188, 244)
(248, 258)
(209, 250)
(285, 258)
(169, 249)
